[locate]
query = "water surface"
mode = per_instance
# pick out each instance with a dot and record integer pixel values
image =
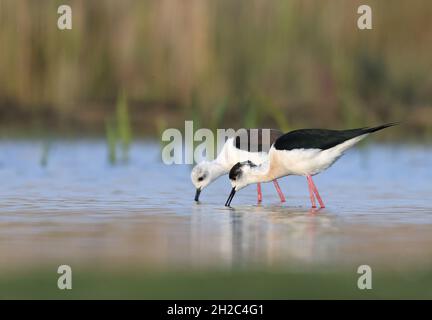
(79, 209)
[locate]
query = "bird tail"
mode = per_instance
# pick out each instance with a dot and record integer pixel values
(378, 128)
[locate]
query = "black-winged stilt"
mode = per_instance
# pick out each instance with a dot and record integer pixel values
(232, 152)
(304, 152)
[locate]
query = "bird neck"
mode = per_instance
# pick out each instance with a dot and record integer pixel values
(260, 173)
(217, 169)
(223, 159)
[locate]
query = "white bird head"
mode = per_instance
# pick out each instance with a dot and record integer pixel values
(203, 174)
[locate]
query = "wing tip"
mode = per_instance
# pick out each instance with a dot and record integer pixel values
(381, 127)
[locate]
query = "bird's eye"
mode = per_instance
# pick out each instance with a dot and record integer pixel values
(200, 178)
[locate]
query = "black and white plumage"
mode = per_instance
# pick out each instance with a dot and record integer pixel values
(305, 152)
(250, 144)
(322, 139)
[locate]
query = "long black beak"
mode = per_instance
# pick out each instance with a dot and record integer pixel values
(197, 194)
(231, 196)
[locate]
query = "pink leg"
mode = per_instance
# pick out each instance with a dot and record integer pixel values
(312, 198)
(315, 190)
(279, 191)
(259, 192)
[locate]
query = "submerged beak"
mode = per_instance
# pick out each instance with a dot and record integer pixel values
(197, 194)
(231, 196)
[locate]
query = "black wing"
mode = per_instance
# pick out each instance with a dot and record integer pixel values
(254, 144)
(320, 138)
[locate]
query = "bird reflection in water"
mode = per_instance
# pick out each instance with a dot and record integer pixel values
(261, 236)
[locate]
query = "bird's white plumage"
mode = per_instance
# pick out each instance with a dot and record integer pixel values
(302, 162)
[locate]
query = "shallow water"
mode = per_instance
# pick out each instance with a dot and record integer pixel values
(81, 210)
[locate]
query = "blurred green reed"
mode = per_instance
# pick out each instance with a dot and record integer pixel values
(223, 63)
(118, 131)
(161, 125)
(46, 147)
(123, 125)
(111, 138)
(218, 115)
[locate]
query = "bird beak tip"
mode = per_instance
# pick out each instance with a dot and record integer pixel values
(230, 197)
(197, 194)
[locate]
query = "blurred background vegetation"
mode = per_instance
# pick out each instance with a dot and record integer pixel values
(222, 63)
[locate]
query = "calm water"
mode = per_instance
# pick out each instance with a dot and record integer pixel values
(79, 209)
